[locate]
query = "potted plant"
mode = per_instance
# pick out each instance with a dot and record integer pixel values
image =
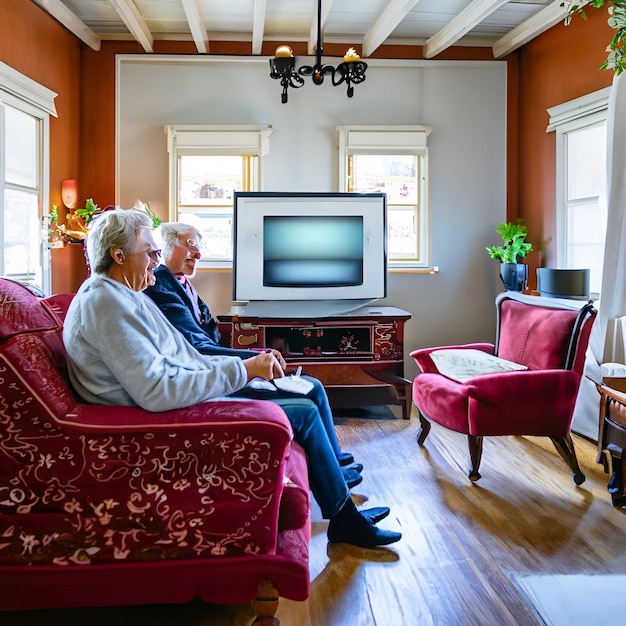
(514, 247)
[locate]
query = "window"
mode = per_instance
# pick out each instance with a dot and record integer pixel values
(207, 165)
(24, 149)
(580, 127)
(394, 160)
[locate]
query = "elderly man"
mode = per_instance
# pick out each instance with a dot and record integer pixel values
(181, 304)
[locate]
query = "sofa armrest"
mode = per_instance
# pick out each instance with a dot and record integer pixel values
(225, 411)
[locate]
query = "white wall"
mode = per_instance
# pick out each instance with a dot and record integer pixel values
(464, 103)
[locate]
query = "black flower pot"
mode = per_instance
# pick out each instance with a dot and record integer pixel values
(514, 276)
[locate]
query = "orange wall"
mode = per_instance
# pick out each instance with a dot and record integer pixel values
(34, 44)
(560, 65)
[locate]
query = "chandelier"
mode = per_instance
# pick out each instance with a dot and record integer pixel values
(283, 66)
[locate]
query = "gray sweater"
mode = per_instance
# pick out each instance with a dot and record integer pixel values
(123, 351)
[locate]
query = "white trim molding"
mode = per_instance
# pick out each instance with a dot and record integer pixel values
(578, 108)
(19, 85)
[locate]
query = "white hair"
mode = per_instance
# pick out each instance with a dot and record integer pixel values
(170, 231)
(117, 228)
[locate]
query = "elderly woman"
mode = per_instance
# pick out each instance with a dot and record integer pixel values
(183, 307)
(122, 351)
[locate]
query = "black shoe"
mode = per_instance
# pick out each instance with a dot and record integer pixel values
(352, 477)
(350, 526)
(357, 467)
(345, 458)
(376, 513)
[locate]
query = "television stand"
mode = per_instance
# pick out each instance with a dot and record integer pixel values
(358, 356)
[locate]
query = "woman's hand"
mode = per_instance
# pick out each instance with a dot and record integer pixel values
(264, 365)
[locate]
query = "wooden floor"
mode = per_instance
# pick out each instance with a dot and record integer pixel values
(462, 543)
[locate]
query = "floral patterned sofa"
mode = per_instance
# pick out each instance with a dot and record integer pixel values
(103, 505)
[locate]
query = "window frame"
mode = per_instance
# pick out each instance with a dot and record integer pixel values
(393, 140)
(246, 141)
(575, 115)
(26, 95)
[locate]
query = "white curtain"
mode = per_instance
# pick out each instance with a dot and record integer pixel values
(608, 336)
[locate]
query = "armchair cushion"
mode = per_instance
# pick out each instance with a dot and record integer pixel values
(462, 364)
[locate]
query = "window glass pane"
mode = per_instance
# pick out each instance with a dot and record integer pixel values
(20, 148)
(586, 224)
(402, 234)
(586, 162)
(210, 179)
(586, 231)
(396, 175)
(216, 229)
(21, 236)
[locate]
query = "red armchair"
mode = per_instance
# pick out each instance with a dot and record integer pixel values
(548, 337)
(104, 505)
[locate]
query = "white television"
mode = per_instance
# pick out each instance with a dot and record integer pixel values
(308, 254)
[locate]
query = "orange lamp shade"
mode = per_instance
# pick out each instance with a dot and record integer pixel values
(69, 193)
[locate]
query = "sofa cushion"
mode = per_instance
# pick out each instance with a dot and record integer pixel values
(21, 311)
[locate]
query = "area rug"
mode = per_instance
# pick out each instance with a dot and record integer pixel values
(576, 600)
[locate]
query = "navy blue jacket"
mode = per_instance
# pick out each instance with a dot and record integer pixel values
(172, 298)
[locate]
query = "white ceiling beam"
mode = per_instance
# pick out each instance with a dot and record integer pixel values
(68, 19)
(532, 27)
(135, 23)
(465, 21)
(196, 25)
(258, 26)
(393, 14)
(326, 6)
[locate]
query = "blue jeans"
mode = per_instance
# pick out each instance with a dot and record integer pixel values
(312, 423)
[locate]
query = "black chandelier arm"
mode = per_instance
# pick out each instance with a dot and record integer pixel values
(350, 72)
(284, 69)
(317, 72)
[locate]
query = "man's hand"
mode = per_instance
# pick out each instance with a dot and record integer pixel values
(264, 365)
(279, 358)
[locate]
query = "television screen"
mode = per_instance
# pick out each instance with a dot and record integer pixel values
(309, 248)
(313, 250)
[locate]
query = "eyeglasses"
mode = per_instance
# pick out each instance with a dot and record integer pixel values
(154, 255)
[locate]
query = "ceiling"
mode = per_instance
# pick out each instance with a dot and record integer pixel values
(503, 25)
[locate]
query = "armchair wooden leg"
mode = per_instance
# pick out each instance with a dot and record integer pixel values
(422, 433)
(475, 445)
(565, 447)
(265, 604)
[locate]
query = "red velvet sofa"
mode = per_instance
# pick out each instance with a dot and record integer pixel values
(103, 505)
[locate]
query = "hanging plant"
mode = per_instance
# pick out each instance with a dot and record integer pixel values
(616, 59)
